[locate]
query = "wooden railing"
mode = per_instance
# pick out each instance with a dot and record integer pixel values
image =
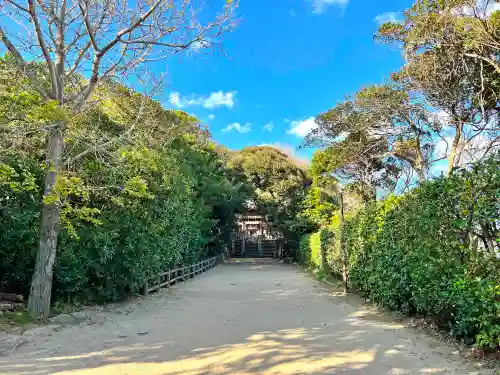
(246, 236)
(167, 278)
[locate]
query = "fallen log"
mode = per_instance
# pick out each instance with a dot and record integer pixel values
(11, 306)
(11, 297)
(4, 306)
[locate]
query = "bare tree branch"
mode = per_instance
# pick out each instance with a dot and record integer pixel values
(486, 59)
(18, 6)
(12, 49)
(88, 27)
(43, 47)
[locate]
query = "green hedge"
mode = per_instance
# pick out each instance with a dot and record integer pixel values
(155, 200)
(183, 215)
(433, 251)
(309, 251)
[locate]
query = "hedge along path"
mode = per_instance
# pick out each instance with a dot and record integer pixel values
(167, 278)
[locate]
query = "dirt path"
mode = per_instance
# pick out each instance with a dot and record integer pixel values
(249, 317)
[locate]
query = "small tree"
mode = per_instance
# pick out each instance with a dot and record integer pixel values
(66, 48)
(396, 128)
(280, 184)
(451, 49)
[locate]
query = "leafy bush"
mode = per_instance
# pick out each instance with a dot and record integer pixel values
(311, 250)
(432, 251)
(161, 199)
(19, 221)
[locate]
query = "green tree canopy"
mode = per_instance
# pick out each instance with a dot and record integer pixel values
(380, 124)
(140, 189)
(280, 184)
(452, 52)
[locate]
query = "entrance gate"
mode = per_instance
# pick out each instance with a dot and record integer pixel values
(256, 247)
(255, 237)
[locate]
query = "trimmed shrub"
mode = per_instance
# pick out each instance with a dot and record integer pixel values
(312, 249)
(309, 249)
(432, 251)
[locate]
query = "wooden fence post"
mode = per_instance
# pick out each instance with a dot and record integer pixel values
(145, 288)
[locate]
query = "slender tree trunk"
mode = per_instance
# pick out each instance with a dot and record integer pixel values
(41, 283)
(343, 252)
(420, 173)
(454, 147)
(489, 237)
(419, 164)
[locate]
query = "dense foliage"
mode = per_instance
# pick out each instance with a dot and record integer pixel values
(432, 251)
(153, 193)
(137, 188)
(280, 186)
(309, 251)
(452, 49)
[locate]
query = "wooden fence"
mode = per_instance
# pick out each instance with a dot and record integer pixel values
(167, 278)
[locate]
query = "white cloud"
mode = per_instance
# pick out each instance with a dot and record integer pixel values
(387, 17)
(238, 127)
(492, 7)
(482, 9)
(301, 128)
(442, 147)
(175, 99)
(342, 136)
(468, 151)
(478, 147)
(200, 44)
(269, 127)
(220, 99)
(214, 100)
(211, 116)
(320, 6)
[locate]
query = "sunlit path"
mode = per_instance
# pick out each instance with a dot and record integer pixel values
(246, 317)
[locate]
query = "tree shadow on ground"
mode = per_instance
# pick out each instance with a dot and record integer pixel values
(283, 352)
(357, 341)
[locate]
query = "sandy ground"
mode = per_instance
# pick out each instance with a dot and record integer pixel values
(247, 317)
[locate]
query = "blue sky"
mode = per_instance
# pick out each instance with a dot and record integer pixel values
(287, 61)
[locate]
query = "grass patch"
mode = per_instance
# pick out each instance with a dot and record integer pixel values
(325, 275)
(16, 318)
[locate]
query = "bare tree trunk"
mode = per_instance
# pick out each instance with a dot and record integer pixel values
(489, 237)
(419, 164)
(41, 283)
(454, 147)
(420, 173)
(343, 251)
